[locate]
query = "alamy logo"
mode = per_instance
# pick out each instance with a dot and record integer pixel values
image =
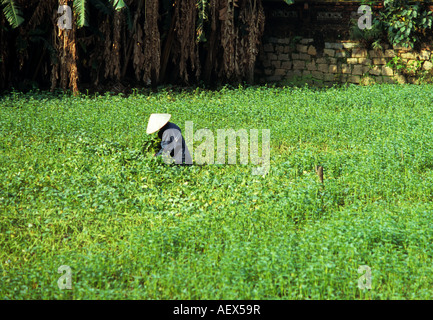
(205, 152)
(364, 21)
(364, 282)
(65, 20)
(65, 281)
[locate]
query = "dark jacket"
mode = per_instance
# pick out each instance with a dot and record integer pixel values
(172, 143)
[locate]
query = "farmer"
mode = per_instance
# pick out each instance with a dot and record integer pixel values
(172, 142)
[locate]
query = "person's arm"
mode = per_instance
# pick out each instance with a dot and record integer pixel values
(165, 145)
(170, 142)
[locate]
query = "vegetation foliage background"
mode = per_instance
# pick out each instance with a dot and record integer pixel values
(79, 187)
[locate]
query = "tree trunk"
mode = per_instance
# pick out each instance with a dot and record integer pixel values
(67, 54)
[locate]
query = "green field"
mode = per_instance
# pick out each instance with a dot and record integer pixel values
(79, 187)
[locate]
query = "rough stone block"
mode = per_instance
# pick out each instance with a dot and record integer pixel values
(389, 53)
(311, 51)
(354, 79)
(387, 71)
(345, 68)
(427, 65)
(357, 69)
(379, 61)
(376, 54)
(375, 71)
(302, 48)
(321, 60)
(387, 79)
(283, 56)
(401, 48)
(297, 73)
(322, 67)
(364, 61)
(286, 64)
(298, 65)
(424, 55)
(399, 78)
(306, 73)
(352, 60)
(332, 68)
(317, 75)
(341, 54)
(379, 79)
(311, 66)
(350, 45)
(295, 56)
(329, 77)
(367, 80)
(280, 72)
(333, 45)
(329, 52)
(408, 55)
(304, 56)
(272, 56)
(359, 53)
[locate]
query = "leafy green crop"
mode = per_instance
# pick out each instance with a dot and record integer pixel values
(79, 186)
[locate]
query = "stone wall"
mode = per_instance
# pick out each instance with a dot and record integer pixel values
(308, 42)
(283, 60)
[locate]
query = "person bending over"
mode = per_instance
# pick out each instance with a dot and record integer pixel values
(172, 142)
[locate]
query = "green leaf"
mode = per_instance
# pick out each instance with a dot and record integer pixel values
(12, 12)
(81, 11)
(289, 2)
(118, 4)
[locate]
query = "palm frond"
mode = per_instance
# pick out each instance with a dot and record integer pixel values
(12, 12)
(81, 11)
(118, 4)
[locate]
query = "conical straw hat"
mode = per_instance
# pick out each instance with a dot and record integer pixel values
(157, 121)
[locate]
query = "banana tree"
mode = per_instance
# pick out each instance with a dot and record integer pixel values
(81, 9)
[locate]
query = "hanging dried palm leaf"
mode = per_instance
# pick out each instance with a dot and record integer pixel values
(138, 58)
(242, 25)
(185, 46)
(252, 16)
(228, 37)
(152, 44)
